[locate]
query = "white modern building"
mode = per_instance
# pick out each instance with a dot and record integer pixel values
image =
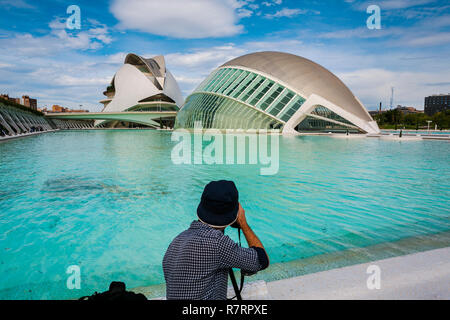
(275, 90)
(142, 93)
(141, 85)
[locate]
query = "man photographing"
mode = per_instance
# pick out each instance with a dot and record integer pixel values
(197, 262)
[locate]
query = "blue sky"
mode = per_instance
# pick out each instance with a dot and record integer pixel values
(40, 57)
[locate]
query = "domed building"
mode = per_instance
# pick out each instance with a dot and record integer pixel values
(274, 91)
(141, 85)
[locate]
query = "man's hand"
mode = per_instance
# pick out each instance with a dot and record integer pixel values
(250, 236)
(241, 221)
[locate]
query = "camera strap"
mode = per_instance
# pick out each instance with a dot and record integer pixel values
(237, 290)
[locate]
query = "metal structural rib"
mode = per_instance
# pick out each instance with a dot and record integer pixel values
(274, 90)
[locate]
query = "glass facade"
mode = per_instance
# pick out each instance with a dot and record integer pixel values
(316, 122)
(291, 108)
(155, 106)
(327, 113)
(220, 112)
(261, 102)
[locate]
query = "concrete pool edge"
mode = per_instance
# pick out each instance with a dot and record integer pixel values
(384, 136)
(24, 135)
(423, 275)
(284, 272)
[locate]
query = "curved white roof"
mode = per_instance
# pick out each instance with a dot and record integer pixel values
(139, 79)
(303, 75)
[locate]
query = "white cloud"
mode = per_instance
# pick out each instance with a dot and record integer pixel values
(286, 12)
(401, 4)
(179, 18)
(59, 39)
(390, 4)
(116, 58)
(272, 3)
(374, 85)
(244, 13)
(287, 45)
(79, 80)
(362, 33)
(436, 13)
(68, 80)
(55, 69)
(424, 34)
(81, 39)
(187, 80)
(190, 68)
(67, 74)
(427, 40)
(204, 58)
(20, 4)
(441, 21)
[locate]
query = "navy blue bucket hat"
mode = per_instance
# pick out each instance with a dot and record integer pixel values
(219, 204)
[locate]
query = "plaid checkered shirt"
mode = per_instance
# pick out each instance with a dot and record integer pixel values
(197, 261)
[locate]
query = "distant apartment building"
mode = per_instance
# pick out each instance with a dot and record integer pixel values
(25, 101)
(437, 103)
(408, 110)
(402, 109)
(77, 110)
(58, 108)
(29, 102)
(7, 97)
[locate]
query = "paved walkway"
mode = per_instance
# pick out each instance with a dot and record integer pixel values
(424, 275)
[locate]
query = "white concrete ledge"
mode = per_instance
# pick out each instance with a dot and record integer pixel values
(23, 135)
(424, 275)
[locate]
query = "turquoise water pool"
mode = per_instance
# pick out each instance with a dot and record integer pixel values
(110, 201)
